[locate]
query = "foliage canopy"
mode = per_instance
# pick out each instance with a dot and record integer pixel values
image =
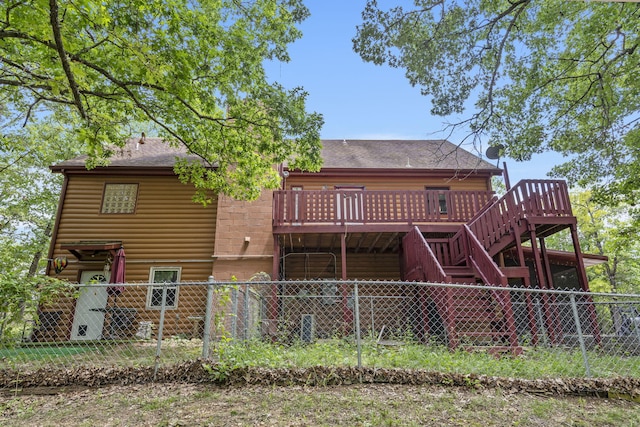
(610, 231)
(192, 70)
(553, 75)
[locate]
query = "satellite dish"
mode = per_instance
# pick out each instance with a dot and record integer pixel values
(494, 152)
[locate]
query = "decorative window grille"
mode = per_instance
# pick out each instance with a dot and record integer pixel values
(119, 198)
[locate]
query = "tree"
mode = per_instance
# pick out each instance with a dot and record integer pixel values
(553, 75)
(29, 194)
(604, 230)
(192, 70)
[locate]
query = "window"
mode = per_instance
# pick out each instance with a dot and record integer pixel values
(163, 275)
(442, 198)
(119, 198)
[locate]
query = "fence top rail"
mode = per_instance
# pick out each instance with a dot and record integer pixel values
(354, 282)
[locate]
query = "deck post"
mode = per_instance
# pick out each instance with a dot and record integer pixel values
(549, 276)
(584, 283)
(531, 315)
(541, 278)
(273, 304)
(347, 316)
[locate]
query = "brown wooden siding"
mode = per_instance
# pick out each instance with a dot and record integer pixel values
(167, 224)
(310, 182)
(167, 230)
(359, 266)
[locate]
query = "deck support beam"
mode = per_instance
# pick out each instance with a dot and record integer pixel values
(531, 313)
(273, 306)
(584, 283)
(347, 314)
(550, 323)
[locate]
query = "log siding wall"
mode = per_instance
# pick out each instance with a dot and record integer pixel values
(311, 182)
(167, 230)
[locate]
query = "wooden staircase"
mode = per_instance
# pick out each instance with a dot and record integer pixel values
(481, 317)
(473, 318)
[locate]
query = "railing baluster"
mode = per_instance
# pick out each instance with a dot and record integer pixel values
(529, 197)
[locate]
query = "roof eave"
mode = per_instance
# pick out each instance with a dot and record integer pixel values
(113, 170)
(460, 173)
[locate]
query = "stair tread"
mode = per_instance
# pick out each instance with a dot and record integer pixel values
(483, 334)
(474, 316)
(497, 349)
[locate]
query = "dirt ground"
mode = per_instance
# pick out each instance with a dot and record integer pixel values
(181, 404)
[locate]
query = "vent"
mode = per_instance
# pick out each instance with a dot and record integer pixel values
(307, 328)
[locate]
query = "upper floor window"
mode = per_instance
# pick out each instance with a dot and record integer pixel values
(119, 198)
(165, 277)
(442, 198)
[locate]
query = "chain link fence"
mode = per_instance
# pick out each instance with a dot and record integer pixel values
(513, 332)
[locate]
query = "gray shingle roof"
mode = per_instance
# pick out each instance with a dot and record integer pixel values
(153, 153)
(399, 154)
(337, 154)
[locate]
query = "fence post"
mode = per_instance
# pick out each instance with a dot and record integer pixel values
(542, 329)
(576, 318)
(234, 312)
(373, 324)
(246, 312)
(206, 336)
(356, 307)
(160, 328)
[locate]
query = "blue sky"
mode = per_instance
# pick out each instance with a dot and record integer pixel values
(361, 100)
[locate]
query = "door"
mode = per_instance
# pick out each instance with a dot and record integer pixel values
(349, 204)
(88, 319)
(297, 213)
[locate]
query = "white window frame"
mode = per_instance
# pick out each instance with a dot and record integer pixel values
(152, 288)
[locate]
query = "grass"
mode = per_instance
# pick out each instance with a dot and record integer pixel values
(535, 363)
(43, 352)
(358, 405)
(162, 404)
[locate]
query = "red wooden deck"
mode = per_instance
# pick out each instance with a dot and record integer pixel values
(542, 199)
(291, 207)
(486, 226)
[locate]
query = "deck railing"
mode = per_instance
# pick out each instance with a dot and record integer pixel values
(528, 198)
(299, 207)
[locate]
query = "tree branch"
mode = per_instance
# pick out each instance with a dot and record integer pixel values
(55, 26)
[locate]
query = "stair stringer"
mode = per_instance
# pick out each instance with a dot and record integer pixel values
(490, 274)
(421, 264)
(458, 307)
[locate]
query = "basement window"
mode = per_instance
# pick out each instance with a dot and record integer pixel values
(162, 276)
(119, 198)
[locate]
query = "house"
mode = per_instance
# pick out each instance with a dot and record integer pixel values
(401, 210)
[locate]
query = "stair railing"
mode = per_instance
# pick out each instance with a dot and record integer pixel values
(491, 275)
(530, 197)
(422, 264)
(419, 256)
(483, 264)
